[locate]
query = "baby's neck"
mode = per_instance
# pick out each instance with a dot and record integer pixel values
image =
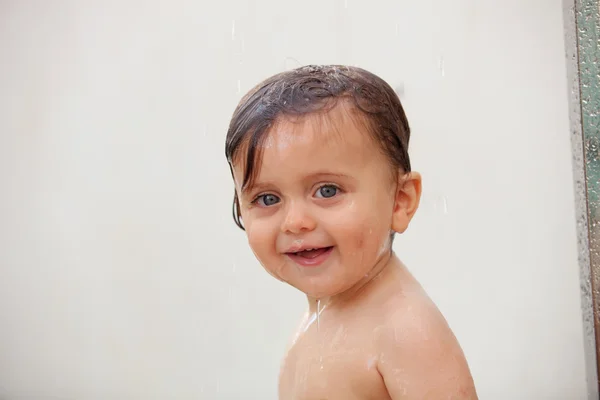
(387, 263)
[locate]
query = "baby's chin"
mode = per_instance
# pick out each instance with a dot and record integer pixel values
(324, 287)
(321, 282)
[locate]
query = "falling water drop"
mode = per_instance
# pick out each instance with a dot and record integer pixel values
(291, 63)
(399, 89)
(442, 66)
(445, 205)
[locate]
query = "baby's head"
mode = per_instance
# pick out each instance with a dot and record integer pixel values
(319, 157)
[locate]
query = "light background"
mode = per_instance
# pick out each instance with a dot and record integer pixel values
(122, 275)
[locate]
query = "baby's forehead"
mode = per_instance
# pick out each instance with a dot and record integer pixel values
(339, 126)
(338, 139)
(317, 143)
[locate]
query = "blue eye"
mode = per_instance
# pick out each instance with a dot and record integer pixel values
(267, 200)
(327, 191)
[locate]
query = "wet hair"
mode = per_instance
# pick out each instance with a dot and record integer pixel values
(316, 89)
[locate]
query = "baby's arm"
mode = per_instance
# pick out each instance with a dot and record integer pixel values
(421, 359)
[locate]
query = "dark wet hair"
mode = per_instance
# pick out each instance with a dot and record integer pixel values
(315, 89)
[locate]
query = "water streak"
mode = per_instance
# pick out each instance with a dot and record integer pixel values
(318, 315)
(319, 330)
(291, 63)
(442, 67)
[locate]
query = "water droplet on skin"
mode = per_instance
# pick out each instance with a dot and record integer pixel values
(371, 362)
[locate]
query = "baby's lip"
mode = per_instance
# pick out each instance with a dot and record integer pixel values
(297, 249)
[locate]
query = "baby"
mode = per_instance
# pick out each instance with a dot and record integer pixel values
(323, 182)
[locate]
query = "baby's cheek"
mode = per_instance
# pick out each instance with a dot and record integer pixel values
(361, 234)
(372, 236)
(262, 243)
(258, 239)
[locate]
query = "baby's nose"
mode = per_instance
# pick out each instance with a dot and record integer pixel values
(297, 219)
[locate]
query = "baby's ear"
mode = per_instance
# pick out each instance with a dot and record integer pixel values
(406, 202)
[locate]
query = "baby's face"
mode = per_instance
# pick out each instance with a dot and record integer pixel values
(319, 214)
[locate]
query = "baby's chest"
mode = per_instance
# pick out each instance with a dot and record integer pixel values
(331, 365)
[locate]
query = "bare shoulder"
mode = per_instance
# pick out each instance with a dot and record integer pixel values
(419, 355)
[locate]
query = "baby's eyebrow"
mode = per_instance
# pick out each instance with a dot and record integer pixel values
(326, 174)
(254, 187)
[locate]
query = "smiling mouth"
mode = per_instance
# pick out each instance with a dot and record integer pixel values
(310, 253)
(310, 258)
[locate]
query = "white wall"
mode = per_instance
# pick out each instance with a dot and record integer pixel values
(122, 275)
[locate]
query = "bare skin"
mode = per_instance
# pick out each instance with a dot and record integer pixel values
(388, 341)
(319, 217)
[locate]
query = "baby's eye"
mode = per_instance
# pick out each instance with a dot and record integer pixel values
(327, 191)
(266, 200)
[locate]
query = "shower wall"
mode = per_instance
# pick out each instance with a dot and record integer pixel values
(122, 274)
